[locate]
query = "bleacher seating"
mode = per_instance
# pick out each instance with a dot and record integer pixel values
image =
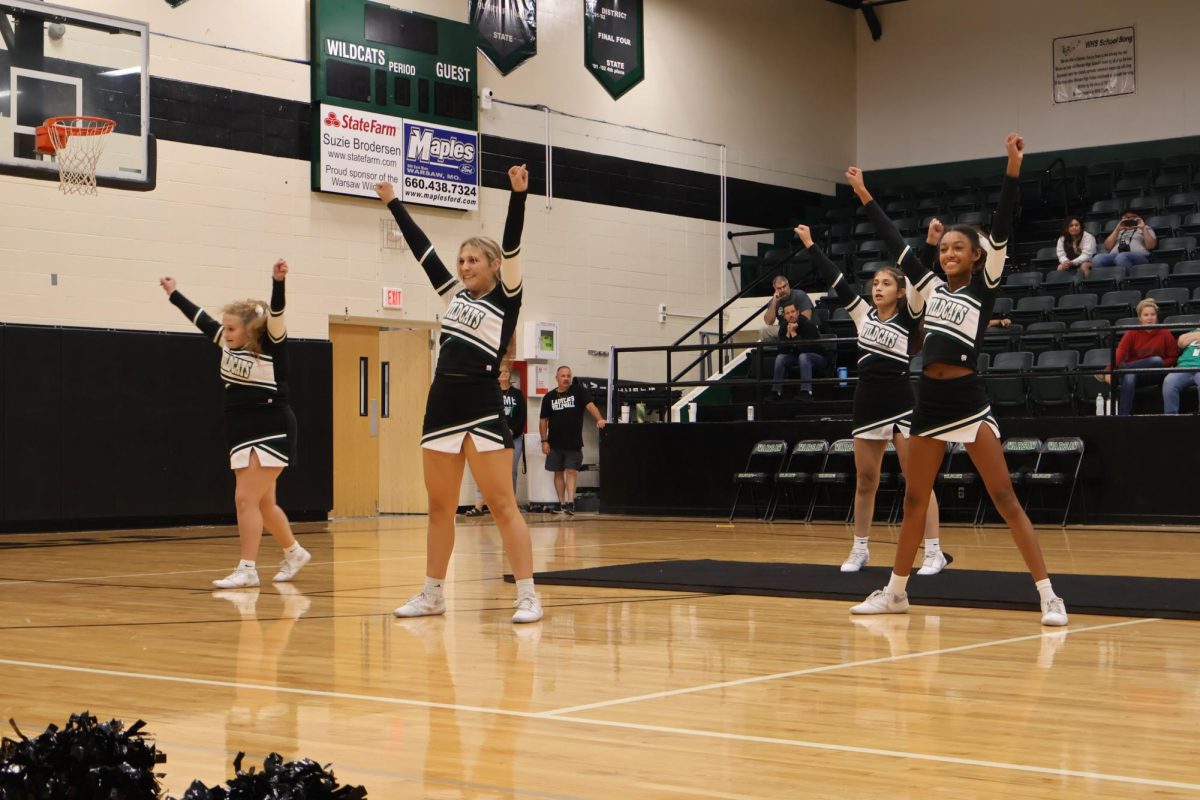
(1058, 317)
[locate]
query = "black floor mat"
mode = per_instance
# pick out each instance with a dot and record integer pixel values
(1113, 595)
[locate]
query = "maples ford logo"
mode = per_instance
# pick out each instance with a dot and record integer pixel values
(425, 145)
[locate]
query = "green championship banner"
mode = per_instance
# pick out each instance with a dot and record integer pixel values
(613, 44)
(507, 31)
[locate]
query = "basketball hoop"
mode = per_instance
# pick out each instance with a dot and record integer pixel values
(76, 144)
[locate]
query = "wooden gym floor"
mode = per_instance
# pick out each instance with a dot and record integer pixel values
(617, 693)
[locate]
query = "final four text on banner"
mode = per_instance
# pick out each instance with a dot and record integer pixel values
(394, 99)
(507, 31)
(1093, 65)
(613, 48)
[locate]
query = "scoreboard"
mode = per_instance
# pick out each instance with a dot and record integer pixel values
(394, 99)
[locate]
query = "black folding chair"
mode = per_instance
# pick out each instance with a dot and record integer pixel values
(959, 482)
(837, 471)
(805, 460)
(891, 479)
(761, 466)
(1058, 469)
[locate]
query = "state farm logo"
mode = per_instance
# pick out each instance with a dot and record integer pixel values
(352, 123)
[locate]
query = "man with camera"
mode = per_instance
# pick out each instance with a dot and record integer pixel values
(1129, 244)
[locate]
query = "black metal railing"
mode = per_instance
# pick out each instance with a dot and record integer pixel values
(770, 271)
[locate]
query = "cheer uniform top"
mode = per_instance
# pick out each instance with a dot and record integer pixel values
(955, 320)
(883, 396)
(257, 416)
(465, 396)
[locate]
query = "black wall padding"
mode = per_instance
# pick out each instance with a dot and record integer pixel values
(127, 426)
(32, 419)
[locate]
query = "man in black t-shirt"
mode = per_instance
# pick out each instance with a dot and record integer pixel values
(561, 427)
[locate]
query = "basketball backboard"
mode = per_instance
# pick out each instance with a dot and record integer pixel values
(57, 61)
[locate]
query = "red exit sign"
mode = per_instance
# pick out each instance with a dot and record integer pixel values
(393, 298)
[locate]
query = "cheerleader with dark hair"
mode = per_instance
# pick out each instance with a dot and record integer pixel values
(888, 334)
(259, 424)
(464, 417)
(952, 403)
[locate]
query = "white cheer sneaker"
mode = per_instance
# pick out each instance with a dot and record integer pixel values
(858, 558)
(935, 561)
(422, 604)
(882, 601)
(291, 565)
(529, 609)
(1054, 612)
(240, 578)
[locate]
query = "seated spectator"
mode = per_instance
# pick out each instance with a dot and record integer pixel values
(799, 345)
(1176, 382)
(1141, 350)
(1128, 245)
(1076, 247)
(773, 316)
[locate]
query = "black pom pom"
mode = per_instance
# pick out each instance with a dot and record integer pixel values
(279, 780)
(84, 759)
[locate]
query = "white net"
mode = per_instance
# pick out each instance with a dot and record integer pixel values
(78, 143)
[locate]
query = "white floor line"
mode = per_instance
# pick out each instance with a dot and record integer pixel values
(584, 721)
(831, 668)
(875, 751)
(5, 584)
(369, 698)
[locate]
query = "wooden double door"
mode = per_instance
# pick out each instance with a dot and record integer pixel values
(380, 381)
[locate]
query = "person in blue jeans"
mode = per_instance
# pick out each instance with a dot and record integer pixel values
(1129, 244)
(799, 345)
(1176, 382)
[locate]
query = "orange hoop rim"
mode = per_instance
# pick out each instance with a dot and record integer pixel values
(54, 133)
(103, 126)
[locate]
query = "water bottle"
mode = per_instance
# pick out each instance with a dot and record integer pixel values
(1099, 405)
(843, 373)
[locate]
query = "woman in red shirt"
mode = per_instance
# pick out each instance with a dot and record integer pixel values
(1141, 349)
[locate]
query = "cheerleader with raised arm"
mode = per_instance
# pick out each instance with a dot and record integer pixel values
(952, 403)
(888, 334)
(464, 416)
(259, 424)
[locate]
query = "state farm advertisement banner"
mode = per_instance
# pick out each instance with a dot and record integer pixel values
(429, 164)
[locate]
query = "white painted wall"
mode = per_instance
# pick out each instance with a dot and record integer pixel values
(950, 77)
(219, 218)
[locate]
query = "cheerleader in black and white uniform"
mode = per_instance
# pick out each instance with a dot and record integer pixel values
(259, 424)
(883, 398)
(464, 416)
(952, 402)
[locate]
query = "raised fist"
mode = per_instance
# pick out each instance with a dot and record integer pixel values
(385, 190)
(1014, 143)
(805, 234)
(519, 177)
(855, 176)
